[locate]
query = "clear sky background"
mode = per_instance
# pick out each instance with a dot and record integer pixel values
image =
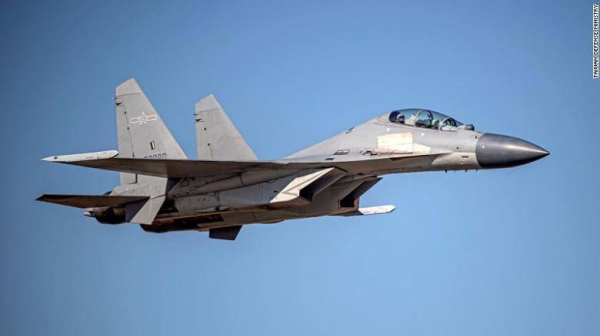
(502, 252)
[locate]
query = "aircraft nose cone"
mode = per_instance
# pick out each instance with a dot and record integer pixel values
(500, 151)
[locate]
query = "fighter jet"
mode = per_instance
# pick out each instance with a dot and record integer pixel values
(228, 187)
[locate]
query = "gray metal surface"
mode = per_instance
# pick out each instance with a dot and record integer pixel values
(194, 168)
(217, 138)
(90, 201)
(140, 130)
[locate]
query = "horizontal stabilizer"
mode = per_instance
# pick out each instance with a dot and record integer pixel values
(376, 210)
(90, 201)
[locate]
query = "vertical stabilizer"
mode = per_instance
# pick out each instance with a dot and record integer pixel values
(217, 138)
(141, 131)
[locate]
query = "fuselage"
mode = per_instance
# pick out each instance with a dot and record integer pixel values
(365, 152)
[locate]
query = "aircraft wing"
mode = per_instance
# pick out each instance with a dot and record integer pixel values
(180, 168)
(201, 168)
(90, 201)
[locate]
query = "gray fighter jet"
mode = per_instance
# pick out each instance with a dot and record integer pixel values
(228, 187)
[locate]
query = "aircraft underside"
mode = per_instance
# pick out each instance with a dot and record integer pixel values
(340, 199)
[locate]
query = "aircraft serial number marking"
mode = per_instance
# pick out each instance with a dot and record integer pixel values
(156, 156)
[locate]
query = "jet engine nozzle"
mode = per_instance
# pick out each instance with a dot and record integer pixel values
(500, 151)
(107, 215)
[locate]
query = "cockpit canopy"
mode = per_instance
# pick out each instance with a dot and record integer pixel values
(427, 119)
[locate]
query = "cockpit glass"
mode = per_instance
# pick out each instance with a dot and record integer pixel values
(424, 119)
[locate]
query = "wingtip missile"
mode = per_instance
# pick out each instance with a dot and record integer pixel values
(82, 157)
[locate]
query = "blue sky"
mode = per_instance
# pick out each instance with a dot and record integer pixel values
(501, 252)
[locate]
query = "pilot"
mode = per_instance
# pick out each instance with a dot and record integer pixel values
(400, 118)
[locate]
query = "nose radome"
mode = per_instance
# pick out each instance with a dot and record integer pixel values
(500, 151)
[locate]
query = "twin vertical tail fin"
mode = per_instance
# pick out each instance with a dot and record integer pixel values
(143, 135)
(141, 132)
(217, 138)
